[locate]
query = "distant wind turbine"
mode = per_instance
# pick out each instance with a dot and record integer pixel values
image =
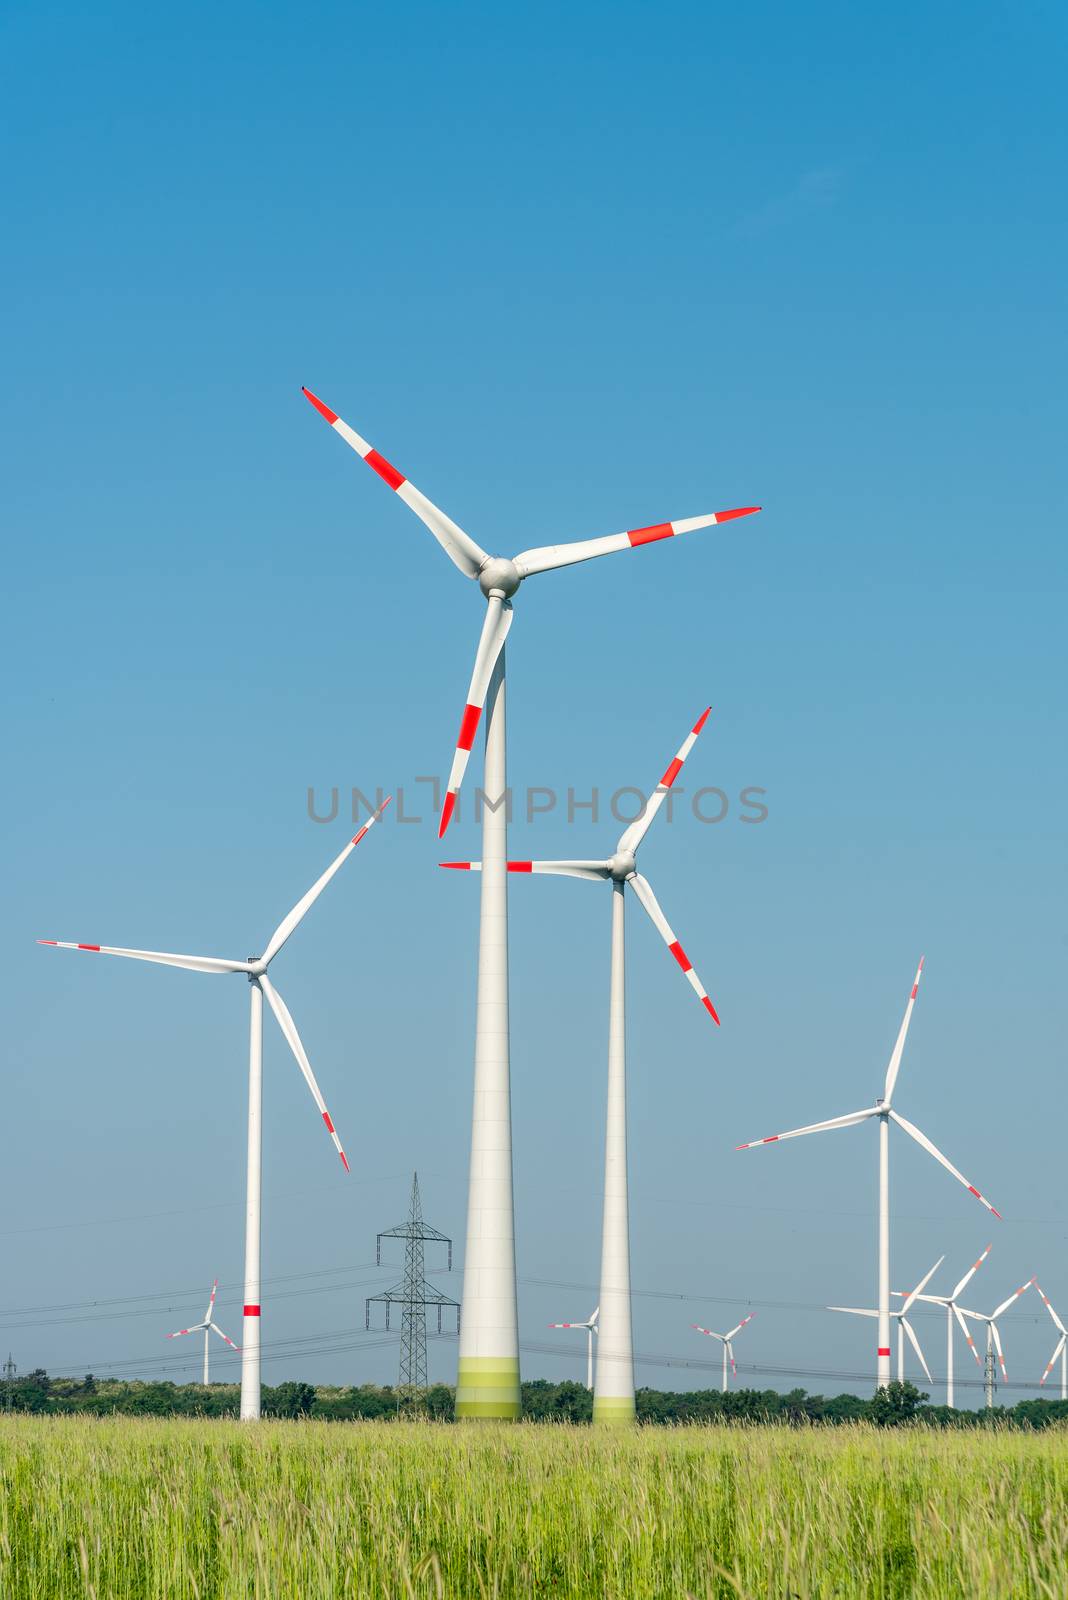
(726, 1340)
(589, 1327)
(255, 969)
(207, 1327)
(883, 1111)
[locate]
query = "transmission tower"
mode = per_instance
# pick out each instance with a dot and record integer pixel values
(991, 1378)
(413, 1294)
(9, 1370)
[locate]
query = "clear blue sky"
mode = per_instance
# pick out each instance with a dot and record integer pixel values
(574, 270)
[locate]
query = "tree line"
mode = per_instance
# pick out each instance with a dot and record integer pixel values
(39, 1393)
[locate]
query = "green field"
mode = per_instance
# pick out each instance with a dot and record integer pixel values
(110, 1508)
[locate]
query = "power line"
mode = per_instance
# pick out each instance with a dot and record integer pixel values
(171, 1299)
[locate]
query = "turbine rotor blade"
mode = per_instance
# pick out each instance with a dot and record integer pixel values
(648, 899)
(970, 1274)
(1005, 1304)
(225, 1337)
(597, 871)
(859, 1311)
(546, 558)
(915, 1343)
(289, 1028)
(632, 836)
(197, 1328)
(460, 548)
(1045, 1301)
(895, 1058)
(922, 1139)
(920, 1286)
(964, 1328)
(814, 1127)
(1061, 1342)
(495, 628)
(161, 958)
(1000, 1351)
(295, 917)
(211, 1301)
(744, 1322)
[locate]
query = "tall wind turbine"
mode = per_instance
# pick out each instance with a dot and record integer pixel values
(488, 1376)
(207, 1327)
(725, 1340)
(589, 1327)
(613, 1399)
(885, 1113)
(993, 1337)
(255, 969)
(1060, 1349)
(950, 1302)
(904, 1326)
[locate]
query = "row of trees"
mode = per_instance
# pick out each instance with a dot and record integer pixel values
(542, 1402)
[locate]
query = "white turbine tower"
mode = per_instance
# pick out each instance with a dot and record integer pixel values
(255, 969)
(589, 1327)
(725, 1340)
(885, 1113)
(1059, 1349)
(950, 1302)
(613, 1399)
(488, 1376)
(993, 1337)
(207, 1327)
(904, 1326)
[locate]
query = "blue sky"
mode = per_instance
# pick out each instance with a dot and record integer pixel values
(573, 271)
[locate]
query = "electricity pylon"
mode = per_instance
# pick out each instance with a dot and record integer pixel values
(413, 1294)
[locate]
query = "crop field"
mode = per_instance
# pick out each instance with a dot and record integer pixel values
(105, 1509)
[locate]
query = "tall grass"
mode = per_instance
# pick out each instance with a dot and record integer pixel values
(112, 1509)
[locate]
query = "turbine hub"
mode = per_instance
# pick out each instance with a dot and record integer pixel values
(623, 865)
(498, 573)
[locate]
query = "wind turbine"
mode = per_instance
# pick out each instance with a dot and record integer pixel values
(725, 1340)
(613, 1399)
(207, 1327)
(904, 1326)
(884, 1112)
(590, 1327)
(993, 1337)
(950, 1302)
(488, 1375)
(1060, 1349)
(255, 968)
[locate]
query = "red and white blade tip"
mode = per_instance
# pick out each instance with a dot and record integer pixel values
(374, 818)
(64, 944)
(323, 410)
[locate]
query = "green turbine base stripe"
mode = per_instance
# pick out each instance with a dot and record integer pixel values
(609, 1408)
(488, 1386)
